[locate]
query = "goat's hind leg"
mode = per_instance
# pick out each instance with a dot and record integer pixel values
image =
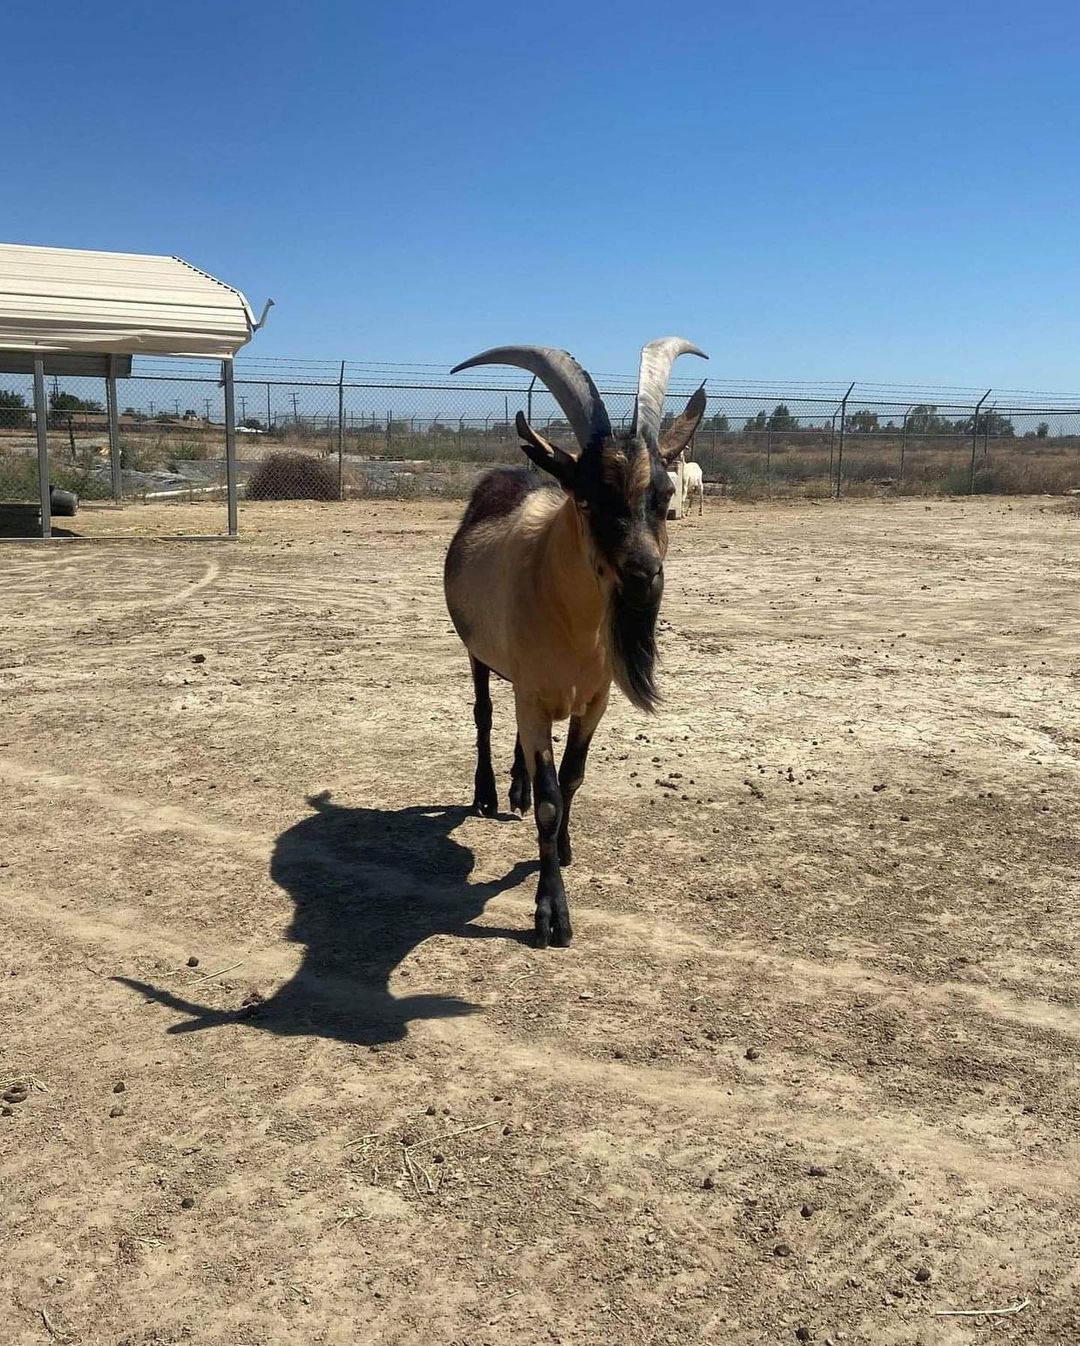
(485, 795)
(520, 784)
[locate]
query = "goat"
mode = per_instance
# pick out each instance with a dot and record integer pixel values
(673, 477)
(556, 588)
(693, 483)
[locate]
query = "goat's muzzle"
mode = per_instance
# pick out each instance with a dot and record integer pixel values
(643, 585)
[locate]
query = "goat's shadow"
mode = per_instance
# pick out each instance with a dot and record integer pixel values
(369, 886)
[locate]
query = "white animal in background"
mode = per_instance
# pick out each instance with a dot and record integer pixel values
(693, 482)
(674, 479)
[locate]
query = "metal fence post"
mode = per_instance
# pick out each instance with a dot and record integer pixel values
(768, 456)
(114, 433)
(41, 421)
(840, 446)
(230, 443)
(341, 433)
(975, 437)
(903, 442)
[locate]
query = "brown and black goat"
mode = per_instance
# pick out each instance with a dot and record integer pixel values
(557, 588)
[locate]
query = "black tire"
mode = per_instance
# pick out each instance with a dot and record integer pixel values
(65, 504)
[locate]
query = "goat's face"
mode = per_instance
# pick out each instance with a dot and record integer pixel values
(622, 492)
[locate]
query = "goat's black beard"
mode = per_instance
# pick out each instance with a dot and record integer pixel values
(633, 649)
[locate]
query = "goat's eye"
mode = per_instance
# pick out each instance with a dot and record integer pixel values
(584, 506)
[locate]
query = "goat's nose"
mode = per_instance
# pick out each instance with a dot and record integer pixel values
(644, 581)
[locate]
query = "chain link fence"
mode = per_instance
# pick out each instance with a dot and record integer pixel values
(325, 432)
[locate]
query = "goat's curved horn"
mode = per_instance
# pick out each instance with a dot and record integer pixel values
(653, 374)
(563, 377)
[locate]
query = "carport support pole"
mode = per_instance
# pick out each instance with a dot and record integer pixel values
(41, 422)
(114, 432)
(975, 438)
(840, 446)
(230, 442)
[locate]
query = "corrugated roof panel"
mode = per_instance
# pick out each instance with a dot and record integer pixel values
(63, 299)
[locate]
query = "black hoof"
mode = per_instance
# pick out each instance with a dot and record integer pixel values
(553, 929)
(520, 797)
(485, 795)
(566, 852)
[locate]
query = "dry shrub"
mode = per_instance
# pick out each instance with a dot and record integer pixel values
(293, 476)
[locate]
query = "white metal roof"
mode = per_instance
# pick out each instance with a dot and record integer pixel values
(117, 303)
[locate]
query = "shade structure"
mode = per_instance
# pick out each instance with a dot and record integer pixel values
(68, 301)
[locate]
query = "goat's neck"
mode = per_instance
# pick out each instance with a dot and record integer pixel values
(569, 580)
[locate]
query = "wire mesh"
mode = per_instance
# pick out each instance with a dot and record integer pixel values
(317, 430)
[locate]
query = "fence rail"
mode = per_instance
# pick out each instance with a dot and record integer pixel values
(316, 428)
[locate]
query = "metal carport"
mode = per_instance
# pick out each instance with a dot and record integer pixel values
(68, 311)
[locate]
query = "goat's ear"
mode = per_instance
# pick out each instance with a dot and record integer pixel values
(550, 457)
(682, 430)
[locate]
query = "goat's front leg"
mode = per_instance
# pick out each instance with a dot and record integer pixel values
(534, 731)
(572, 768)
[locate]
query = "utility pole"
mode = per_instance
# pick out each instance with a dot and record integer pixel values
(296, 414)
(206, 403)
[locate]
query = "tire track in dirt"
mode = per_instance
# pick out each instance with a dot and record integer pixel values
(850, 1118)
(609, 927)
(888, 1142)
(162, 818)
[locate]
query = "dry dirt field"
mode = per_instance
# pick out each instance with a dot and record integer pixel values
(809, 1071)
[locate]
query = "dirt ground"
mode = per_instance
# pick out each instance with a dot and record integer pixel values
(809, 1071)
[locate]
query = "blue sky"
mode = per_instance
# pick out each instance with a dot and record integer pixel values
(881, 192)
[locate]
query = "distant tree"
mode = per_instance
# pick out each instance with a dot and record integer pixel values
(782, 419)
(863, 421)
(758, 422)
(14, 413)
(1042, 430)
(59, 401)
(994, 423)
(252, 423)
(924, 420)
(718, 424)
